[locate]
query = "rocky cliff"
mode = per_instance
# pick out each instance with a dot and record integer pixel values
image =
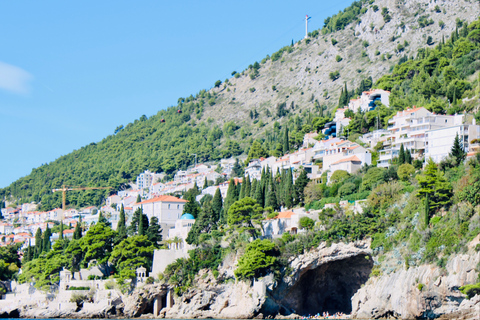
(426, 291)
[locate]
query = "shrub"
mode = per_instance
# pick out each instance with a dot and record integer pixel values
(347, 189)
(420, 286)
(306, 222)
(365, 43)
(441, 24)
(338, 58)
(259, 259)
(334, 75)
(405, 171)
(218, 83)
(334, 42)
(470, 290)
(375, 8)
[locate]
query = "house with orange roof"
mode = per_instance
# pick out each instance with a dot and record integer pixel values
(342, 151)
(167, 209)
(6, 228)
(286, 221)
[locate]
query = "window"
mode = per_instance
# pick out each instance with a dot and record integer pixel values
(168, 206)
(178, 206)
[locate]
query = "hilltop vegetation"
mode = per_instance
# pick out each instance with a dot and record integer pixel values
(288, 91)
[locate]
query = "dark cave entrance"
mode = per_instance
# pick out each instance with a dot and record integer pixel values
(330, 287)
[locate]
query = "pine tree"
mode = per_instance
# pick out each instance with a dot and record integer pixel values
(154, 232)
(46, 243)
(457, 151)
(192, 206)
(286, 142)
(217, 205)
(102, 219)
(401, 155)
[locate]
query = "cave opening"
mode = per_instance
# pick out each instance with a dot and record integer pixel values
(330, 287)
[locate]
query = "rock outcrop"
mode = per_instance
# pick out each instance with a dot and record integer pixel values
(425, 291)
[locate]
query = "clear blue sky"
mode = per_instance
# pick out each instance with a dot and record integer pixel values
(72, 71)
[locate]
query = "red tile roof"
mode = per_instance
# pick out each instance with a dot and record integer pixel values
(352, 159)
(162, 199)
(285, 215)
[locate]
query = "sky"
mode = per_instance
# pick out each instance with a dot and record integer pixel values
(72, 71)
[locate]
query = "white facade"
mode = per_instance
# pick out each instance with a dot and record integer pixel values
(409, 127)
(345, 150)
(167, 209)
(439, 142)
(366, 101)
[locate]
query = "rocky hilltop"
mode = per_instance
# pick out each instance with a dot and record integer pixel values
(371, 47)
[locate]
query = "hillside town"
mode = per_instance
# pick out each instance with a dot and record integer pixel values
(423, 133)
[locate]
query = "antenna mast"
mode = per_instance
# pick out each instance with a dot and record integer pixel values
(306, 25)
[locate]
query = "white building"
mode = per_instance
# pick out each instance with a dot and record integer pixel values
(287, 221)
(341, 154)
(439, 142)
(167, 209)
(409, 127)
(366, 101)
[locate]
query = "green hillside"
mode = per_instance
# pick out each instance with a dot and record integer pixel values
(167, 140)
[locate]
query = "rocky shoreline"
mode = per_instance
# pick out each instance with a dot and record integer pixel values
(337, 276)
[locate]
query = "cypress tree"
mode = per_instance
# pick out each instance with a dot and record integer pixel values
(139, 199)
(205, 183)
(242, 189)
(427, 209)
(141, 226)
(229, 199)
(121, 226)
(248, 186)
(38, 242)
(46, 243)
(253, 189)
(60, 236)
(259, 193)
(288, 189)
(217, 205)
(286, 143)
(77, 234)
(408, 156)
(457, 151)
(271, 197)
(401, 155)
(300, 185)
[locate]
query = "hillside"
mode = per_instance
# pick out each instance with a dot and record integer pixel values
(289, 88)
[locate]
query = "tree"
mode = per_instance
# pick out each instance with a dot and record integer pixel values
(432, 184)
(405, 171)
(130, 254)
(401, 155)
(154, 232)
(306, 223)
(408, 156)
(77, 234)
(243, 214)
(259, 259)
(98, 243)
(121, 226)
(457, 152)
(139, 199)
(286, 143)
(60, 235)
(218, 83)
(300, 185)
(102, 219)
(256, 151)
(271, 197)
(38, 242)
(46, 243)
(237, 170)
(217, 205)
(192, 206)
(230, 198)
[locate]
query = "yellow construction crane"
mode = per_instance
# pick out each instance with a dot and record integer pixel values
(65, 188)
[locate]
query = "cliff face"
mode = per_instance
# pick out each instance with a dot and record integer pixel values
(426, 291)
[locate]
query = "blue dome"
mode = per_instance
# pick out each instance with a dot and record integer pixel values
(187, 216)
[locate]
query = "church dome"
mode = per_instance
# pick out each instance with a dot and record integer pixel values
(187, 216)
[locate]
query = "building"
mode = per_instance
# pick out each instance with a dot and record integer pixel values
(287, 221)
(167, 209)
(409, 127)
(341, 154)
(366, 102)
(439, 142)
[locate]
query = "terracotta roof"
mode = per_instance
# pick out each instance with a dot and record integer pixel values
(352, 159)
(285, 215)
(68, 231)
(162, 199)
